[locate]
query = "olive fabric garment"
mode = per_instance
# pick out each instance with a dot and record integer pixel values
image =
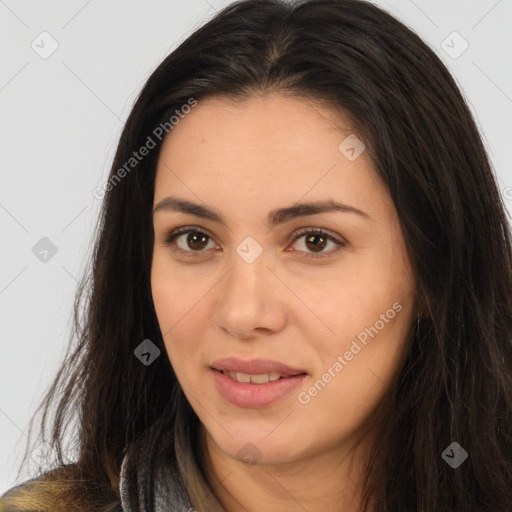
(168, 495)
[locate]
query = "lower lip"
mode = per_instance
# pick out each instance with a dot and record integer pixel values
(254, 395)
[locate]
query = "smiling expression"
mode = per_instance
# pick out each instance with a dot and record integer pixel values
(287, 250)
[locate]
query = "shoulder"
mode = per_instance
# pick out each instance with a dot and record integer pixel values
(59, 490)
(17, 489)
(31, 494)
(17, 498)
(23, 487)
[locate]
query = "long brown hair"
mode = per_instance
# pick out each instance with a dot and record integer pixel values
(456, 384)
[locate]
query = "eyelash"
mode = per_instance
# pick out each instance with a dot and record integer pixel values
(308, 231)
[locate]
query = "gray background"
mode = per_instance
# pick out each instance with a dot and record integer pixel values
(60, 119)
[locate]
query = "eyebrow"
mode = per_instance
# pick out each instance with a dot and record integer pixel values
(275, 217)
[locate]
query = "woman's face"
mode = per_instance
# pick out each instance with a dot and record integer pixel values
(328, 317)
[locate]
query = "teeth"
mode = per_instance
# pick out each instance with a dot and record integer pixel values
(241, 377)
(261, 378)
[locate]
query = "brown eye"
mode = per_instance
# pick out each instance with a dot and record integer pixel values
(197, 240)
(194, 242)
(316, 240)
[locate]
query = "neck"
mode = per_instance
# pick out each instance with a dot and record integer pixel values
(329, 482)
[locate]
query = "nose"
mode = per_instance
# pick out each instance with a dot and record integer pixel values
(251, 299)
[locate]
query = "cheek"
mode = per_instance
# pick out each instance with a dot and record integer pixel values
(337, 307)
(351, 295)
(353, 376)
(362, 341)
(180, 310)
(173, 293)
(369, 340)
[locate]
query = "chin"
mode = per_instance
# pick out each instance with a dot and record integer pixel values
(253, 448)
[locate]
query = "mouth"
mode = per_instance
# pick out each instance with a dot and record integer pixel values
(256, 371)
(256, 383)
(259, 378)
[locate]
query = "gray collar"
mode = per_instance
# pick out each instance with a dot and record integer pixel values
(168, 493)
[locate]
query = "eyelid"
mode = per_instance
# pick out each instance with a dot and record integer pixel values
(321, 231)
(170, 237)
(339, 241)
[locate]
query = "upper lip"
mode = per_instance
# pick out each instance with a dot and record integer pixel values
(255, 366)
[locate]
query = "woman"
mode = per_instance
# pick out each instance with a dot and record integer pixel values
(300, 289)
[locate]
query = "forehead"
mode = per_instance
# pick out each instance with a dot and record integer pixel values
(272, 120)
(264, 147)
